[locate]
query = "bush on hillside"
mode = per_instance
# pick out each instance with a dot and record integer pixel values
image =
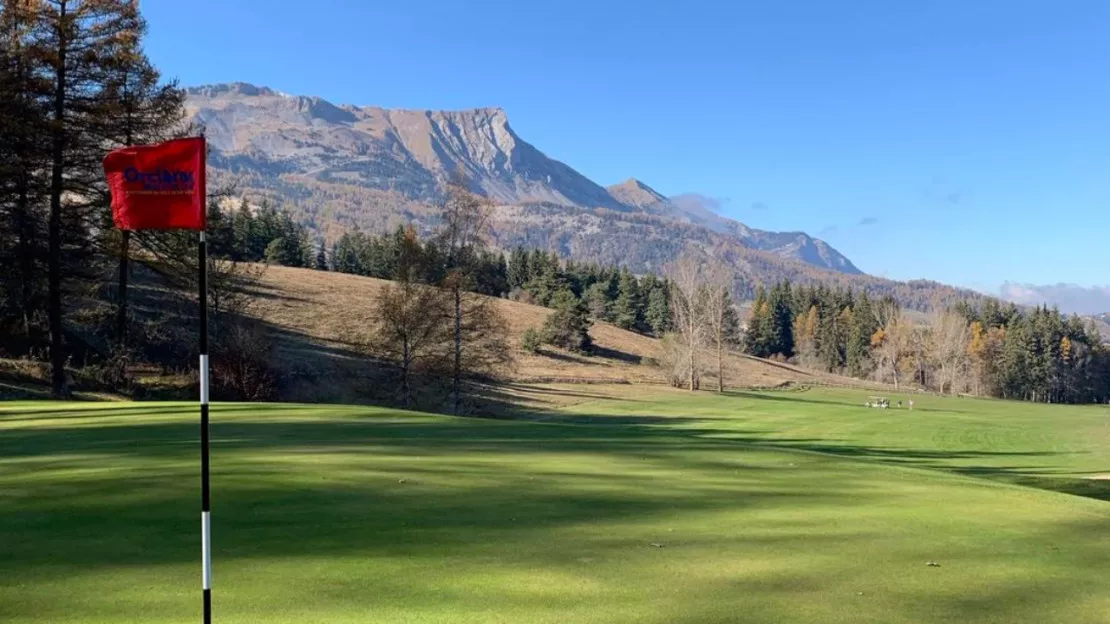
(242, 366)
(531, 341)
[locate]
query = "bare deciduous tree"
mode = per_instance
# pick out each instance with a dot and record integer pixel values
(412, 321)
(688, 310)
(947, 347)
(892, 344)
(463, 229)
(719, 314)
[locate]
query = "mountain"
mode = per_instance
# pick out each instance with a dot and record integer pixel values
(636, 194)
(408, 151)
(341, 166)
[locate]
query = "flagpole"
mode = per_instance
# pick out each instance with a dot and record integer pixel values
(206, 502)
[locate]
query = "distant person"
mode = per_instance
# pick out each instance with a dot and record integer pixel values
(899, 405)
(911, 404)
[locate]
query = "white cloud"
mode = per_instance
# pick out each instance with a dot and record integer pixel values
(1070, 298)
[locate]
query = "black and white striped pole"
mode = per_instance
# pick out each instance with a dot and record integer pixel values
(205, 493)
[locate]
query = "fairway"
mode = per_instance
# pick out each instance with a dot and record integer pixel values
(657, 506)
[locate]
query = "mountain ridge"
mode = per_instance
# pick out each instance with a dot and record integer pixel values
(403, 156)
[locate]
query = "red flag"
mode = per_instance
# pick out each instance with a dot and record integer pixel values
(158, 187)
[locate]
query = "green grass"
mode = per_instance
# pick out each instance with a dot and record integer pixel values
(660, 508)
(1052, 446)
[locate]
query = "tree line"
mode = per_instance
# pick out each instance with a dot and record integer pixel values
(979, 347)
(606, 293)
(259, 234)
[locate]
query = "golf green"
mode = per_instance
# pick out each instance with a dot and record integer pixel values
(665, 508)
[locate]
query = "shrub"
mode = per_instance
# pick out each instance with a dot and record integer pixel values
(241, 367)
(531, 340)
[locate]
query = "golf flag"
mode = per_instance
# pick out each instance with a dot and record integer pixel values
(162, 187)
(158, 187)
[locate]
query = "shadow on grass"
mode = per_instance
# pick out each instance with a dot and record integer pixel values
(478, 494)
(702, 427)
(406, 486)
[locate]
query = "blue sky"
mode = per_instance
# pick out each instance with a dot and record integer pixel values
(963, 141)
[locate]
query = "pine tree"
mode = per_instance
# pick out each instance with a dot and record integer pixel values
(242, 230)
(781, 321)
(626, 310)
(83, 42)
(858, 347)
(24, 153)
(321, 258)
(658, 314)
(567, 326)
(597, 301)
(755, 338)
(830, 332)
(344, 256)
(143, 110)
(517, 273)
(544, 286)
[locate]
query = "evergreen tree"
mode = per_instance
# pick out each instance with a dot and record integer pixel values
(1015, 360)
(24, 154)
(756, 338)
(567, 326)
(626, 310)
(597, 301)
(781, 321)
(321, 258)
(831, 334)
(83, 44)
(517, 273)
(858, 347)
(344, 255)
(658, 314)
(546, 284)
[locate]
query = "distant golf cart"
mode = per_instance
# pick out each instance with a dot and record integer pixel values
(882, 402)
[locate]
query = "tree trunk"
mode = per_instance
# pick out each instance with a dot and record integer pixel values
(26, 257)
(693, 347)
(121, 311)
(406, 362)
(54, 262)
(458, 350)
(720, 368)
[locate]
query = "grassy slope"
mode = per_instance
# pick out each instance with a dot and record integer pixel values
(342, 514)
(323, 316)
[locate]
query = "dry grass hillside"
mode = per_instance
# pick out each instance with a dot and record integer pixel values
(321, 320)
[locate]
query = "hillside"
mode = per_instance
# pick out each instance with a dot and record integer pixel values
(321, 319)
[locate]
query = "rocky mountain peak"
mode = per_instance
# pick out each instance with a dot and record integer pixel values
(635, 193)
(228, 89)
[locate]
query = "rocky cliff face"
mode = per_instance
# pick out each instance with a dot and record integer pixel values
(409, 151)
(374, 167)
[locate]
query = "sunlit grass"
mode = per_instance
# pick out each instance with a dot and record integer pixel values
(693, 509)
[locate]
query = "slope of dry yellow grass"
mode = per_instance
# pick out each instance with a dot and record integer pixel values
(321, 320)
